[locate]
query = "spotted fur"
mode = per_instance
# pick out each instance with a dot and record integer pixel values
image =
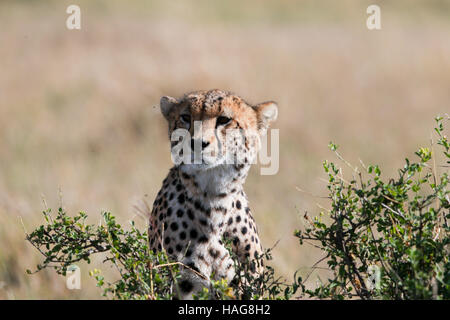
(200, 205)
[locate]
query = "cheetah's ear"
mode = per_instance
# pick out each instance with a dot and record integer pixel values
(267, 113)
(166, 104)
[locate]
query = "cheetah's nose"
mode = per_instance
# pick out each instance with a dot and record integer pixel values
(204, 144)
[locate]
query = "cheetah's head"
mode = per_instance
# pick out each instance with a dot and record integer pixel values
(215, 128)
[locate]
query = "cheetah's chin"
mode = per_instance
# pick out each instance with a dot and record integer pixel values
(196, 167)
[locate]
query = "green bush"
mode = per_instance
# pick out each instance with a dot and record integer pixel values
(393, 232)
(64, 241)
(382, 239)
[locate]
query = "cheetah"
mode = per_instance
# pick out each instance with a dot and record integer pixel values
(202, 201)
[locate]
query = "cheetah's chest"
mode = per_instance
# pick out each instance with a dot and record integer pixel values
(191, 226)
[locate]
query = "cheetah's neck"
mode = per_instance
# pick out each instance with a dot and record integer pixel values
(219, 182)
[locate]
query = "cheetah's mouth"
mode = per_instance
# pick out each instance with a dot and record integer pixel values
(205, 158)
(205, 162)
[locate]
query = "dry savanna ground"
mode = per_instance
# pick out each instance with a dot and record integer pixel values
(79, 109)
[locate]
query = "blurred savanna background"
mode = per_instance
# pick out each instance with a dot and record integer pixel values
(80, 125)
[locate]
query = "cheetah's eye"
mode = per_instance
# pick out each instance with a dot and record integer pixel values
(222, 121)
(186, 118)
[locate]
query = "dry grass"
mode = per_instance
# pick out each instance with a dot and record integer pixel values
(77, 108)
